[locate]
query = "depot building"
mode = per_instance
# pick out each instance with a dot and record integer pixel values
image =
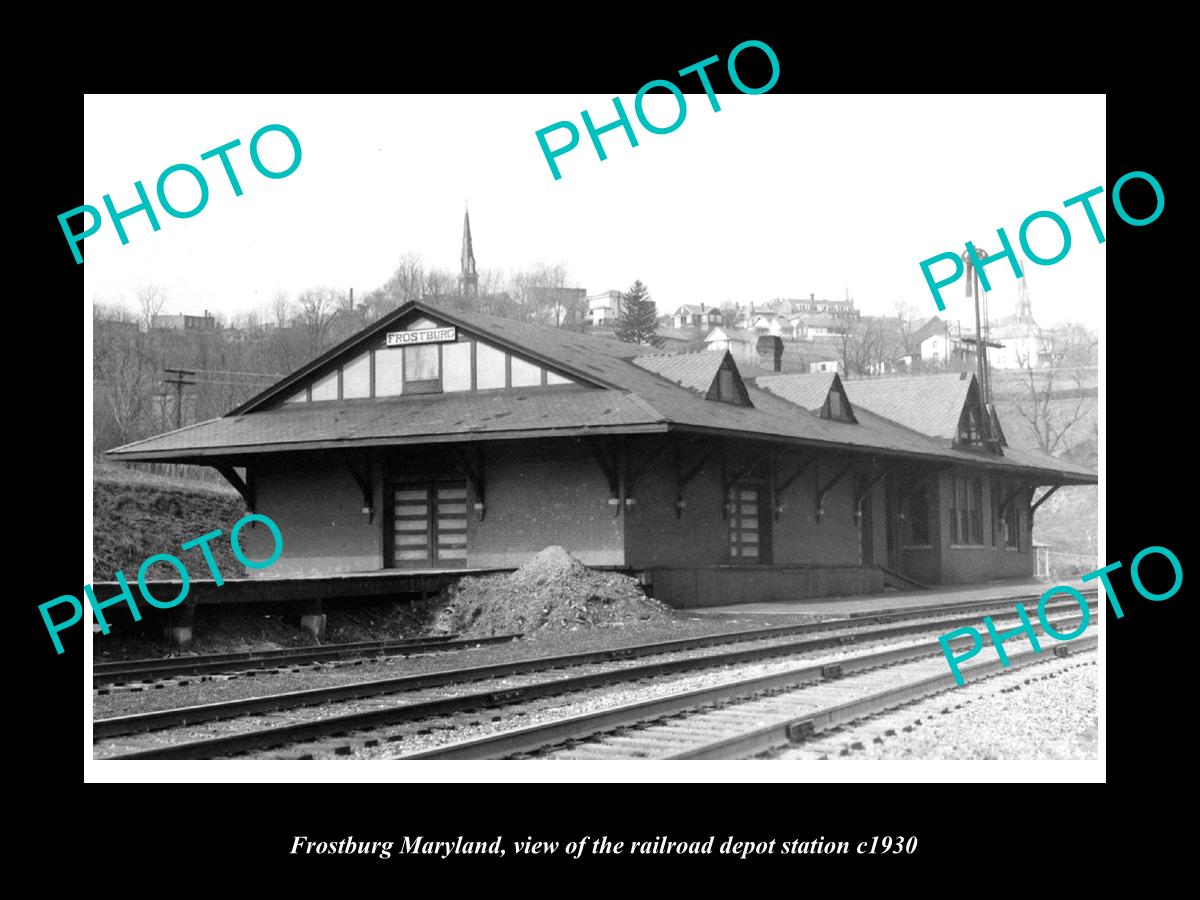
(443, 442)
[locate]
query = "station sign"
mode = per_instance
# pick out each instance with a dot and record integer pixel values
(421, 336)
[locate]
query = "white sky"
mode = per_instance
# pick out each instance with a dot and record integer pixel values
(775, 195)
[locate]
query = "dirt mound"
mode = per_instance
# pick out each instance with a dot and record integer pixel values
(553, 592)
(135, 517)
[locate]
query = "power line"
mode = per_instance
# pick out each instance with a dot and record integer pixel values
(179, 381)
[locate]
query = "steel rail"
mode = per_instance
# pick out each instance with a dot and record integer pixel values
(133, 670)
(797, 729)
(301, 731)
(192, 715)
(540, 737)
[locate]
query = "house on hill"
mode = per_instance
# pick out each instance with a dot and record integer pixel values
(436, 442)
(696, 316)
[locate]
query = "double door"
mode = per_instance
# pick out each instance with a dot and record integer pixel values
(429, 525)
(749, 523)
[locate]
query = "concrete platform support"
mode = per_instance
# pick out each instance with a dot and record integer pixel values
(314, 625)
(312, 617)
(179, 626)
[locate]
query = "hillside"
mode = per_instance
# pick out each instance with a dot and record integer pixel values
(137, 514)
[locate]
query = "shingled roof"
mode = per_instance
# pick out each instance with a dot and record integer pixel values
(620, 389)
(929, 404)
(807, 391)
(694, 371)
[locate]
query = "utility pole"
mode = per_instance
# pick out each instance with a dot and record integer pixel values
(179, 381)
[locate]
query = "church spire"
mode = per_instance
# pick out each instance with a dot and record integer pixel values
(1024, 304)
(468, 278)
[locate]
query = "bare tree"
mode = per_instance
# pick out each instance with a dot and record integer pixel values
(908, 322)
(151, 299)
(1053, 400)
(126, 373)
(314, 313)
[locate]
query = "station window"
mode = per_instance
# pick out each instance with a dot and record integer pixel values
(725, 388)
(1011, 522)
(966, 511)
(422, 369)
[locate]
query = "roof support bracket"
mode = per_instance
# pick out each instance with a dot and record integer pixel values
(246, 490)
(614, 463)
(473, 469)
(822, 491)
(781, 486)
(363, 480)
(1042, 499)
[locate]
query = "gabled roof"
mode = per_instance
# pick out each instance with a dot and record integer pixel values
(731, 334)
(930, 404)
(620, 389)
(689, 310)
(694, 371)
(933, 325)
(807, 391)
(591, 358)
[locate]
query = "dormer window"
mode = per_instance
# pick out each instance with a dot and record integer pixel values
(969, 431)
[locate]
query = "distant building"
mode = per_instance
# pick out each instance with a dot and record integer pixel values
(844, 308)
(742, 345)
(604, 308)
(680, 340)
(1025, 345)
(818, 327)
(771, 324)
(688, 316)
(798, 356)
(945, 346)
(181, 322)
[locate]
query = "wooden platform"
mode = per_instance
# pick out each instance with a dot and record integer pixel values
(204, 591)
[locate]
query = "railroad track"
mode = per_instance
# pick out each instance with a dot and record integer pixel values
(438, 704)
(151, 670)
(744, 718)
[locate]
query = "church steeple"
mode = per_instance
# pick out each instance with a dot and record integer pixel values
(1024, 304)
(468, 278)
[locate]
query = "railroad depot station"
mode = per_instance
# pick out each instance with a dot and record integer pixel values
(435, 443)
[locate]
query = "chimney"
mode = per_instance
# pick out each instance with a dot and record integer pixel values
(352, 298)
(701, 307)
(812, 298)
(770, 352)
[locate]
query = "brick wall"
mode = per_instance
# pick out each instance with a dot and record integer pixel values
(317, 505)
(700, 535)
(541, 494)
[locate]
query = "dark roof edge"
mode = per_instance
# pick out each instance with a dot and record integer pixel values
(458, 437)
